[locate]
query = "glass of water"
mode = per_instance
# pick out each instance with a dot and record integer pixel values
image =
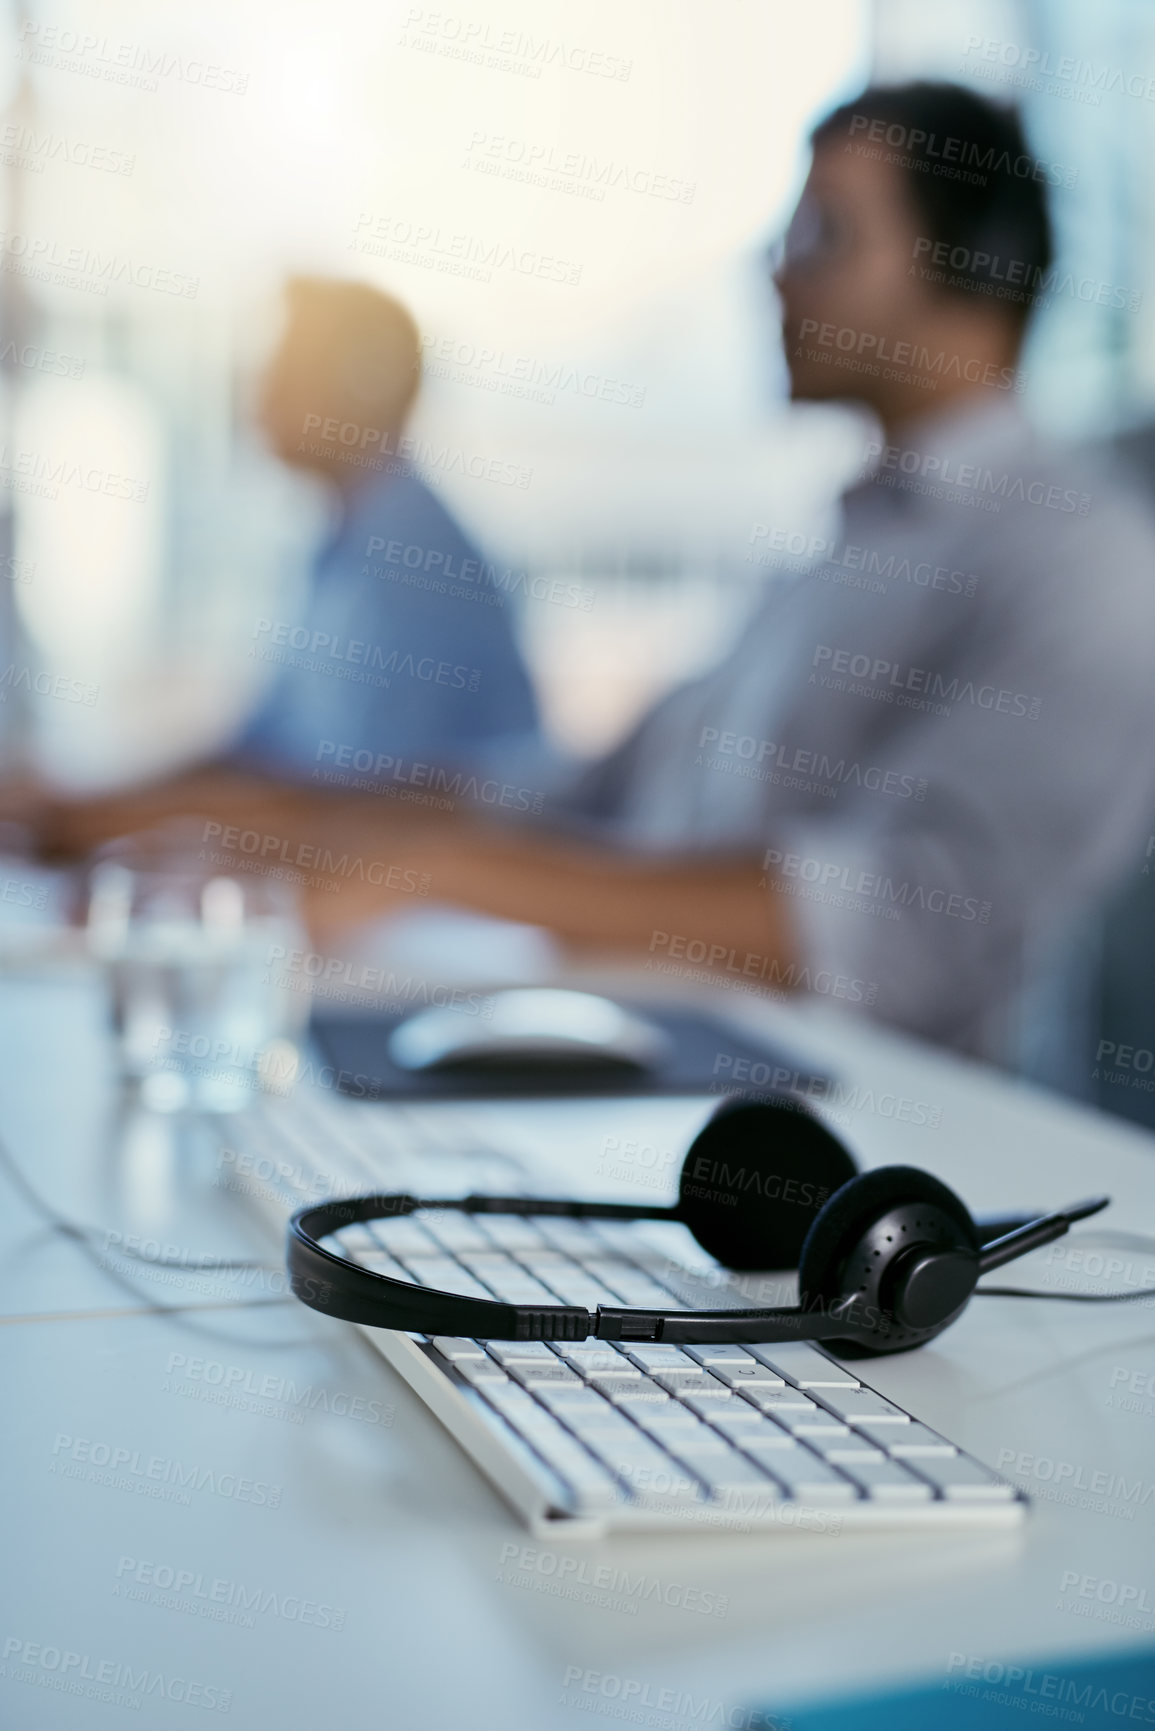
(193, 957)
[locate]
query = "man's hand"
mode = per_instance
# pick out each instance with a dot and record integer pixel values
(68, 829)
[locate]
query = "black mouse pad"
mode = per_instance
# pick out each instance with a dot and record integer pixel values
(706, 1057)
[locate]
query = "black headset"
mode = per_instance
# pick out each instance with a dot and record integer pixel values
(886, 1259)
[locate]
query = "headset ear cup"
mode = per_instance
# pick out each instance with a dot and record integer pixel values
(754, 1179)
(850, 1212)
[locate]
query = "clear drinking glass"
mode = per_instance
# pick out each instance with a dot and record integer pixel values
(194, 960)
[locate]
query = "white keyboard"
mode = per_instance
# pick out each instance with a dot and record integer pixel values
(597, 1435)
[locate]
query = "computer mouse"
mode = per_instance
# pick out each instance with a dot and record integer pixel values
(530, 1028)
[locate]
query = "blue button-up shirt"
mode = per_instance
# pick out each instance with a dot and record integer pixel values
(404, 651)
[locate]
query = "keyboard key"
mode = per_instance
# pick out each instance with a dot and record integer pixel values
(588, 1355)
(778, 1400)
(455, 1349)
(679, 1382)
(803, 1366)
(750, 1374)
(733, 1472)
(806, 1479)
(484, 1371)
(888, 1481)
(672, 1435)
(598, 1416)
(618, 1375)
(522, 1352)
(634, 1453)
(705, 1404)
(735, 1414)
(569, 1283)
(665, 1358)
(446, 1275)
(770, 1441)
(962, 1480)
(575, 1398)
(719, 1354)
(454, 1232)
(595, 1491)
(669, 1485)
(631, 1397)
(510, 1231)
(846, 1450)
(631, 1284)
(736, 1427)
(907, 1440)
(812, 1424)
(403, 1237)
(536, 1375)
(515, 1403)
(862, 1406)
(665, 1420)
(574, 1237)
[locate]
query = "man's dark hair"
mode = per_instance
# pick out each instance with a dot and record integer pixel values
(976, 190)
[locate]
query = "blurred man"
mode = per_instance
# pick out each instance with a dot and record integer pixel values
(403, 651)
(932, 746)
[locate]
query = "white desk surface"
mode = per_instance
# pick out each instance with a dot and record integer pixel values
(391, 1523)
